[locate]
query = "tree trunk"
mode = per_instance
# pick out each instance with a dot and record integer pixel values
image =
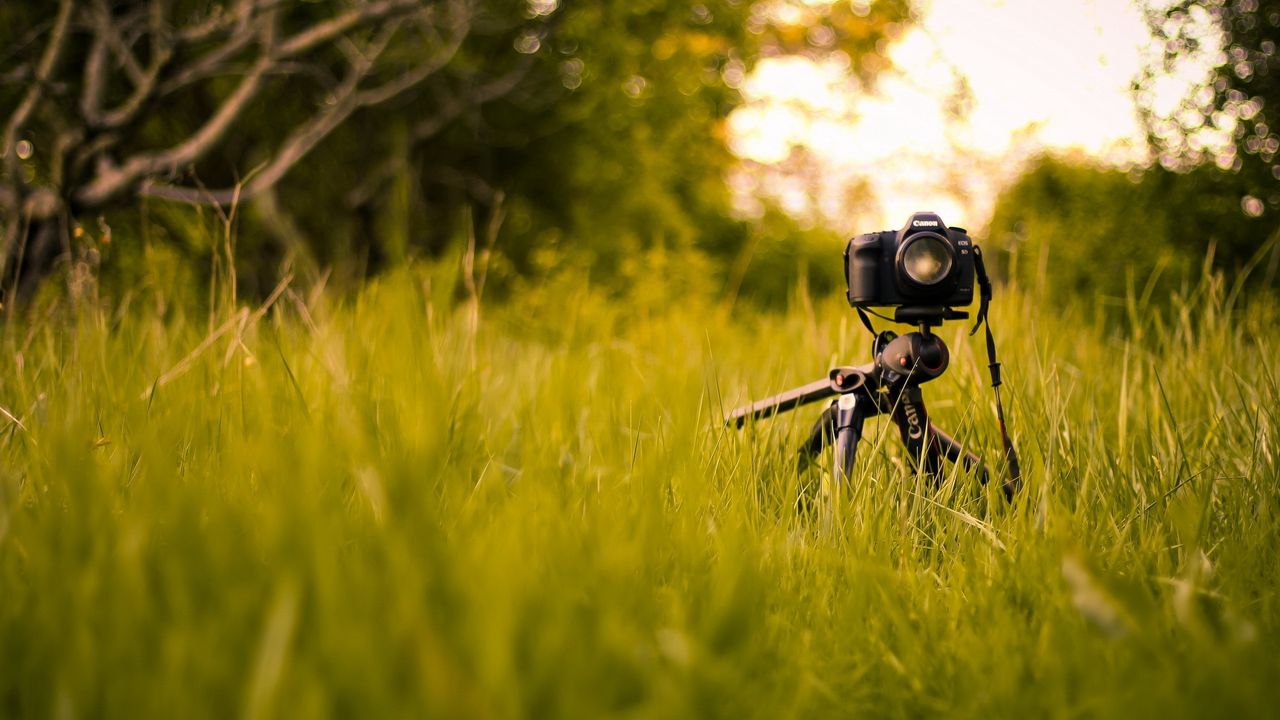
(36, 251)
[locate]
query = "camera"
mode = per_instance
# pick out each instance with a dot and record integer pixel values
(925, 264)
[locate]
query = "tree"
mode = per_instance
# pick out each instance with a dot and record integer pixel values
(369, 126)
(128, 99)
(1079, 231)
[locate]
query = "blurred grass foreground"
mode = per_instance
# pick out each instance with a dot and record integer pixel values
(405, 505)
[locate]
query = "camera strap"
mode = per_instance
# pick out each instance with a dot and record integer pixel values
(866, 321)
(1011, 456)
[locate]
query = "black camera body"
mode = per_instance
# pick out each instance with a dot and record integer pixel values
(925, 264)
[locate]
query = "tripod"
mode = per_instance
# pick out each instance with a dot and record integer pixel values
(891, 386)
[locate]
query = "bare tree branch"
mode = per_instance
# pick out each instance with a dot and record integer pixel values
(128, 110)
(131, 57)
(331, 29)
(93, 147)
(105, 23)
(65, 140)
(161, 52)
(393, 88)
(95, 78)
(217, 21)
(346, 100)
(57, 40)
(107, 32)
(160, 30)
(112, 180)
(41, 203)
(221, 21)
(213, 61)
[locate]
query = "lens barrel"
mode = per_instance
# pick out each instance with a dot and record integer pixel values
(926, 259)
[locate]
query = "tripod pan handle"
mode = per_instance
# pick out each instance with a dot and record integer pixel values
(782, 402)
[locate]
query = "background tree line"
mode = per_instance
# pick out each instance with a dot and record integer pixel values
(349, 135)
(1212, 197)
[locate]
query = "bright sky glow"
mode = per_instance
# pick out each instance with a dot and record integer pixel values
(1043, 73)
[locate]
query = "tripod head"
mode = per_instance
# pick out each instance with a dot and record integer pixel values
(925, 316)
(914, 358)
(900, 361)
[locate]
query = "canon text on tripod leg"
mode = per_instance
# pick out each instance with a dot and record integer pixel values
(912, 420)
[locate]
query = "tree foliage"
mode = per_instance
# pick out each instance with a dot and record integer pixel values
(1232, 115)
(1208, 98)
(1074, 230)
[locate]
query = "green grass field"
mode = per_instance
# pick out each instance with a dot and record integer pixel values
(367, 508)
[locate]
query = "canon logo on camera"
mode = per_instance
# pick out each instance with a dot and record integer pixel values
(924, 223)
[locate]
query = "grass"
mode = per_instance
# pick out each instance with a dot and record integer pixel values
(381, 507)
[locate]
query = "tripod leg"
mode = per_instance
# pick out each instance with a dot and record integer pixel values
(850, 413)
(847, 414)
(955, 452)
(840, 425)
(822, 435)
(913, 424)
(823, 432)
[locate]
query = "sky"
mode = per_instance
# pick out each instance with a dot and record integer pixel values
(1042, 73)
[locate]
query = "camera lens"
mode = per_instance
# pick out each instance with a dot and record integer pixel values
(927, 259)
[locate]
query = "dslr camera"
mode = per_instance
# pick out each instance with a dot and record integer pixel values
(924, 265)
